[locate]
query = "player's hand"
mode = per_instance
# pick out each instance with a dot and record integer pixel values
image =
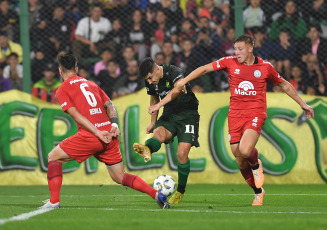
(114, 132)
(180, 85)
(153, 108)
(308, 111)
(149, 129)
(104, 136)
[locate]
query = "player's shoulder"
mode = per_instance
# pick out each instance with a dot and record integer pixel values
(264, 62)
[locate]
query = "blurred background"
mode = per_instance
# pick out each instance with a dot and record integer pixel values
(111, 37)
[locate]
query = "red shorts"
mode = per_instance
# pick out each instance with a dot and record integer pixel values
(83, 145)
(238, 125)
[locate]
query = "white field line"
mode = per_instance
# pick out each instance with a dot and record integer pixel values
(204, 194)
(24, 216)
(206, 211)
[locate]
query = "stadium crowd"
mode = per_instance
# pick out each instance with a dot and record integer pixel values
(110, 38)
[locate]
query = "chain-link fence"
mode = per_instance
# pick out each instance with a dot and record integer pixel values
(110, 38)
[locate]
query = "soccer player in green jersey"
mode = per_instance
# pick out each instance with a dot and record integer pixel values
(180, 118)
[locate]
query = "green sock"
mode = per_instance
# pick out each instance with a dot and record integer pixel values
(154, 144)
(183, 171)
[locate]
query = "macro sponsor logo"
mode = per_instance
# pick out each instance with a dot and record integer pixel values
(75, 81)
(245, 88)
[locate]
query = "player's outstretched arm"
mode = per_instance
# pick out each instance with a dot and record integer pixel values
(113, 116)
(290, 91)
(154, 99)
(198, 72)
(173, 94)
(86, 124)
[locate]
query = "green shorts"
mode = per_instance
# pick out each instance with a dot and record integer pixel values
(184, 125)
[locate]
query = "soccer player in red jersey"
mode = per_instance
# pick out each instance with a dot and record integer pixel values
(248, 107)
(97, 135)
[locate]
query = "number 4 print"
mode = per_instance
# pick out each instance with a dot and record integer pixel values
(189, 129)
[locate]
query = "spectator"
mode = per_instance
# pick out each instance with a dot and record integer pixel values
(189, 59)
(312, 75)
(46, 88)
(90, 33)
(107, 79)
(203, 39)
(161, 26)
(187, 30)
(75, 10)
(128, 55)
(106, 55)
(227, 47)
(38, 65)
(117, 36)
(284, 50)
(296, 79)
(130, 80)
(5, 84)
(138, 34)
(190, 8)
(123, 91)
(14, 71)
(262, 46)
(39, 16)
(314, 44)
(160, 58)
(126, 7)
(84, 73)
(215, 15)
(64, 31)
(9, 21)
(168, 50)
(8, 47)
(253, 15)
(318, 11)
(173, 12)
(290, 19)
(272, 9)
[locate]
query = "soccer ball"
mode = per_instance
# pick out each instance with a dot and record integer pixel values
(164, 184)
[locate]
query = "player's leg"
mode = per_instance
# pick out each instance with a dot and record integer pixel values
(187, 124)
(249, 152)
(183, 171)
(118, 174)
(55, 160)
(152, 145)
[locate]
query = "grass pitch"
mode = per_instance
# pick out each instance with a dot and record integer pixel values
(203, 207)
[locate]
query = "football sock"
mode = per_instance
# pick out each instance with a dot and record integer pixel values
(138, 184)
(248, 176)
(181, 189)
(257, 190)
(183, 171)
(54, 180)
(154, 144)
(253, 159)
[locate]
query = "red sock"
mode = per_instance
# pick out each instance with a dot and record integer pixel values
(253, 159)
(138, 184)
(54, 180)
(248, 176)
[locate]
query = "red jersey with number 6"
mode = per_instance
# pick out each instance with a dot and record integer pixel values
(248, 85)
(88, 99)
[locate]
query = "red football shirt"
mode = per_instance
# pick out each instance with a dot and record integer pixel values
(88, 99)
(248, 85)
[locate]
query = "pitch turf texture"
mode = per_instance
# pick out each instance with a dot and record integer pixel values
(203, 207)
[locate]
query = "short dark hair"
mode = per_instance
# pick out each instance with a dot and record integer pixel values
(246, 38)
(67, 62)
(146, 67)
(317, 26)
